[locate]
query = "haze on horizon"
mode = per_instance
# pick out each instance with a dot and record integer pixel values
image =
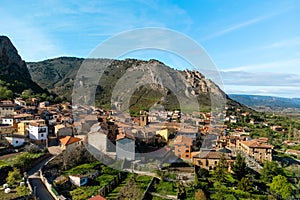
(255, 45)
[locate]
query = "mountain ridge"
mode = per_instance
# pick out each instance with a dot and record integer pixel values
(62, 73)
(169, 87)
(267, 101)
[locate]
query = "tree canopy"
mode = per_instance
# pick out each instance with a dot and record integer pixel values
(240, 168)
(13, 177)
(221, 170)
(270, 170)
(281, 186)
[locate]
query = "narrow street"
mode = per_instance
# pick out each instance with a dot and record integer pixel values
(35, 181)
(41, 191)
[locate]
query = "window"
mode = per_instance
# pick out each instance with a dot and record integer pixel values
(42, 135)
(42, 130)
(17, 142)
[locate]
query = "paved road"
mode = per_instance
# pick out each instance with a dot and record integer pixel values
(37, 167)
(41, 191)
(35, 181)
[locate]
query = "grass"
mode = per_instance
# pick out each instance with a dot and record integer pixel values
(143, 181)
(104, 179)
(3, 163)
(166, 188)
(116, 191)
(84, 192)
(21, 161)
(82, 169)
(12, 195)
(107, 174)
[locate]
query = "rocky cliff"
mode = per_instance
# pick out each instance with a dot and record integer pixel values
(13, 70)
(146, 83)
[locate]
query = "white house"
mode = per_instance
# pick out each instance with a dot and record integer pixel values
(98, 140)
(15, 141)
(8, 120)
(20, 102)
(37, 131)
(78, 180)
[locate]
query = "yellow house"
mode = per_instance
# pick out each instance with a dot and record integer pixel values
(24, 124)
(163, 133)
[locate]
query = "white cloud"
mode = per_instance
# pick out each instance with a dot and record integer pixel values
(236, 27)
(243, 24)
(281, 66)
(284, 43)
(279, 91)
(273, 84)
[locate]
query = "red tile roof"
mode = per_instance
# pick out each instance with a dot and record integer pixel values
(98, 197)
(69, 140)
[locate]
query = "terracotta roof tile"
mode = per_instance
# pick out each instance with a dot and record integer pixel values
(98, 197)
(69, 140)
(257, 144)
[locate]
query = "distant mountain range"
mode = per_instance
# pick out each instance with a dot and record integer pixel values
(255, 101)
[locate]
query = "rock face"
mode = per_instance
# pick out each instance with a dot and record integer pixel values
(141, 83)
(13, 69)
(11, 63)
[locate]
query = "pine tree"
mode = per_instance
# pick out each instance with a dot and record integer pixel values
(240, 167)
(221, 170)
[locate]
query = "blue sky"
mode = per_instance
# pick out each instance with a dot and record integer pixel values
(254, 44)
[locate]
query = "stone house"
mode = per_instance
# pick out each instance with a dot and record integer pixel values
(69, 143)
(210, 159)
(257, 148)
(182, 146)
(62, 130)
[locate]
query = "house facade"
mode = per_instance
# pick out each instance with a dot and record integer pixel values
(62, 130)
(7, 109)
(182, 146)
(15, 141)
(23, 125)
(164, 133)
(99, 141)
(210, 159)
(69, 143)
(6, 130)
(257, 148)
(38, 132)
(125, 146)
(20, 102)
(78, 180)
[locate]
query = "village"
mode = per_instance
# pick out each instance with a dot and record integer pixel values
(146, 144)
(45, 124)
